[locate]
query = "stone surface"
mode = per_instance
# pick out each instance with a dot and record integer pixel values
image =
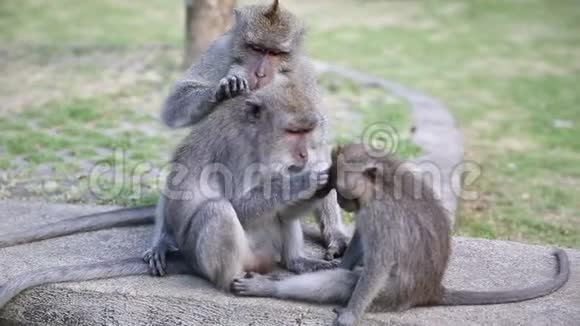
(186, 300)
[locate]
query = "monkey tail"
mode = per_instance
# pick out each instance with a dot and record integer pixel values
(85, 223)
(464, 298)
(102, 270)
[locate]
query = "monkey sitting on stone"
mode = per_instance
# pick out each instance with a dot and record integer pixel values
(265, 42)
(239, 184)
(404, 236)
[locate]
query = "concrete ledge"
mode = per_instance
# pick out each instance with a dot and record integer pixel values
(186, 300)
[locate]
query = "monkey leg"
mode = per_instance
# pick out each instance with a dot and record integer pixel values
(353, 255)
(332, 286)
(292, 252)
(215, 244)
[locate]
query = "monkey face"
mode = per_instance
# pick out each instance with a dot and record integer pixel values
(288, 139)
(351, 184)
(267, 39)
(356, 174)
(289, 131)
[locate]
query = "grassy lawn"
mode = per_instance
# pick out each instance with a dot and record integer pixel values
(86, 127)
(509, 70)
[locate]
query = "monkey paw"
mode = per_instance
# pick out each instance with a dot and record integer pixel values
(337, 243)
(231, 86)
(344, 317)
(306, 184)
(156, 258)
(253, 284)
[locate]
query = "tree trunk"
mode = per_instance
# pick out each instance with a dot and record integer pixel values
(205, 20)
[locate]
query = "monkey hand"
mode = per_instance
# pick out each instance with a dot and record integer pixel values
(231, 86)
(325, 188)
(344, 317)
(307, 184)
(156, 257)
(336, 244)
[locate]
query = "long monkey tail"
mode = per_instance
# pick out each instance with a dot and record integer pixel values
(110, 269)
(85, 223)
(463, 298)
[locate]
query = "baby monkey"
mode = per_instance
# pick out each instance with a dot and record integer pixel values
(402, 238)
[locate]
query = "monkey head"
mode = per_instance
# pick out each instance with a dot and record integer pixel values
(267, 40)
(288, 128)
(356, 175)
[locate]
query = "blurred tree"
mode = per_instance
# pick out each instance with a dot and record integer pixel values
(205, 20)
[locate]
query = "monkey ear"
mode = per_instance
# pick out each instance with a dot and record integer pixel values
(253, 110)
(272, 12)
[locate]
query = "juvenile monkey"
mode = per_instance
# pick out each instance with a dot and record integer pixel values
(241, 181)
(265, 42)
(404, 233)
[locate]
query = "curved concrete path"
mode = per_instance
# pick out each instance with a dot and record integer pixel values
(435, 132)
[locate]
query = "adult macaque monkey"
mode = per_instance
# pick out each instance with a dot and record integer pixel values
(406, 241)
(240, 183)
(265, 42)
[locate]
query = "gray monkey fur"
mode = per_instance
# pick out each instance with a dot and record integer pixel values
(220, 236)
(221, 73)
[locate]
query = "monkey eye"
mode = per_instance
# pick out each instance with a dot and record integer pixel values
(256, 48)
(279, 53)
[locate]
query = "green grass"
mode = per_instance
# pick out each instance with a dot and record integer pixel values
(86, 111)
(93, 131)
(509, 70)
(97, 23)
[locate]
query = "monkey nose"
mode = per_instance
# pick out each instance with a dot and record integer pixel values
(260, 74)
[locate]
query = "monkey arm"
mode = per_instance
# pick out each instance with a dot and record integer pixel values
(189, 101)
(193, 97)
(163, 241)
(354, 252)
(328, 214)
(163, 244)
(275, 194)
